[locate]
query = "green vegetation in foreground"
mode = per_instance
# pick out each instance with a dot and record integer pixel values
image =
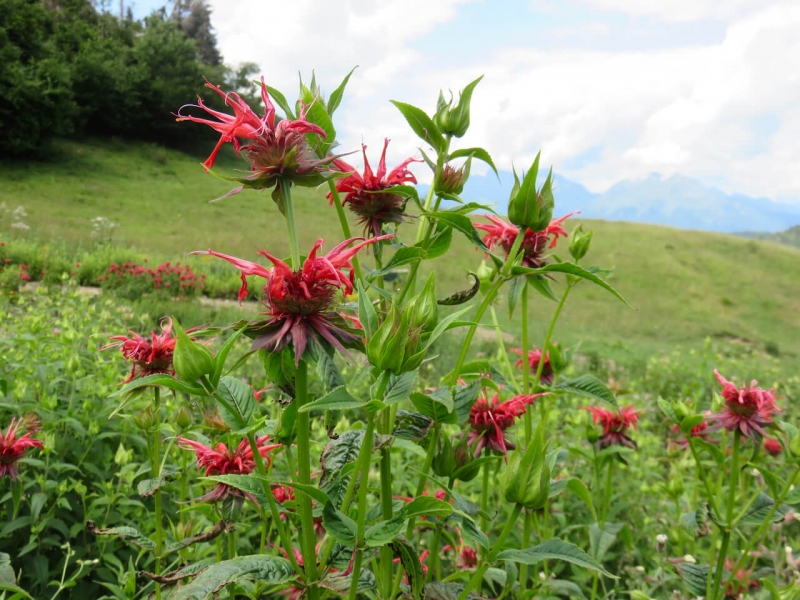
(685, 286)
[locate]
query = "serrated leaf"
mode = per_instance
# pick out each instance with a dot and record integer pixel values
(399, 387)
(131, 534)
(280, 100)
(260, 567)
(309, 490)
(336, 95)
(337, 399)
(460, 223)
(411, 425)
(601, 539)
(554, 549)
(328, 371)
(542, 285)
(409, 559)
(222, 355)
(366, 312)
(464, 398)
(694, 577)
(422, 125)
(402, 257)
(580, 491)
(339, 526)
(235, 402)
(571, 269)
(478, 153)
(250, 484)
(759, 510)
(434, 408)
(161, 379)
(588, 386)
(339, 583)
(437, 245)
(148, 487)
(384, 532)
(441, 590)
(666, 407)
(427, 506)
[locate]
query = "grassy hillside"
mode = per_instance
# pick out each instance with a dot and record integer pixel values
(790, 237)
(684, 286)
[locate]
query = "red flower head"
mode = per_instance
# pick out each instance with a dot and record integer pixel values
(300, 301)
(490, 418)
(615, 425)
(363, 196)
(699, 431)
(148, 357)
(535, 243)
(736, 584)
(748, 409)
(222, 461)
(772, 447)
(467, 556)
(534, 357)
(12, 448)
(274, 150)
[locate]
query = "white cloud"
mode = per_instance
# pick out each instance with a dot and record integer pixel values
(687, 109)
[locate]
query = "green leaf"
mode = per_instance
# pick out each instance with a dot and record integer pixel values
(338, 399)
(464, 295)
(236, 402)
(461, 223)
(260, 567)
(5, 586)
(148, 487)
(411, 425)
(402, 257)
(384, 532)
(130, 534)
(317, 114)
(478, 153)
(280, 100)
(554, 549)
(427, 506)
(588, 386)
(246, 483)
(328, 371)
(409, 559)
(222, 355)
(666, 408)
(399, 387)
(336, 95)
(437, 245)
(441, 590)
(464, 398)
(161, 379)
(571, 269)
(580, 491)
(542, 285)
(339, 526)
(309, 490)
(469, 529)
(759, 510)
(437, 409)
(694, 577)
(601, 539)
(366, 312)
(422, 125)
(340, 584)
(7, 574)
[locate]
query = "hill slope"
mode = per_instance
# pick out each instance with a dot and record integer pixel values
(685, 285)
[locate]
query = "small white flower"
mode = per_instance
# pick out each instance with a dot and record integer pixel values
(661, 538)
(689, 558)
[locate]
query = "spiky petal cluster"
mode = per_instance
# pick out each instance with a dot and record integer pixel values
(534, 244)
(365, 195)
(615, 425)
(147, 356)
(534, 358)
(274, 150)
(748, 408)
(300, 301)
(12, 448)
(220, 460)
(489, 418)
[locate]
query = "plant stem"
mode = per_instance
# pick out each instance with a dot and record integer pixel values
(502, 348)
(731, 500)
(526, 371)
(492, 556)
(308, 540)
(273, 505)
(526, 540)
(607, 494)
(361, 519)
(703, 477)
(155, 473)
(337, 202)
(291, 223)
(386, 492)
(485, 496)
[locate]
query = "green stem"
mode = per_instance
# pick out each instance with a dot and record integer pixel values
(337, 202)
(703, 477)
(607, 494)
(502, 347)
(261, 469)
(291, 223)
(435, 558)
(485, 496)
(526, 540)
(386, 498)
(361, 519)
(526, 371)
(308, 540)
(492, 556)
(155, 472)
(731, 501)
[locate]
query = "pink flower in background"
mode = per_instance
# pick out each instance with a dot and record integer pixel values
(12, 448)
(748, 408)
(489, 419)
(615, 425)
(362, 192)
(222, 461)
(534, 357)
(772, 447)
(535, 243)
(301, 301)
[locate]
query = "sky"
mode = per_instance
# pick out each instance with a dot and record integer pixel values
(607, 89)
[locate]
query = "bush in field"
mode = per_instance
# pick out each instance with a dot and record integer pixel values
(132, 280)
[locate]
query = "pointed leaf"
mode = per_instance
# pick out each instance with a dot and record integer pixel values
(427, 506)
(571, 269)
(422, 125)
(336, 95)
(260, 567)
(478, 153)
(409, 559)
(236, 402)
(588, 386)
(339, 526)
(337, 399)
(554, 549)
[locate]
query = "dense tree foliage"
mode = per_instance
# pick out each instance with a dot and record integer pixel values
(67, 68)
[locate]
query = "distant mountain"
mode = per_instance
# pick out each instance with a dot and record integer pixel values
(677, 201)
(790, 237)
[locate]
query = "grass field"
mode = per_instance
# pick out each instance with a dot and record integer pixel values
(685, 286)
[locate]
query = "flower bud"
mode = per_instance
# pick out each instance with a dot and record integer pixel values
(423, 308)
(386, 346)
(485, 273)
(184, 418)
(638, 595)
(444, 462)
(527, 479)
(452, 180)
(466, 467)
(145, 418)
(675, 485)
(527, 207)
(579, 243)
(455, 121)
(191, 360)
